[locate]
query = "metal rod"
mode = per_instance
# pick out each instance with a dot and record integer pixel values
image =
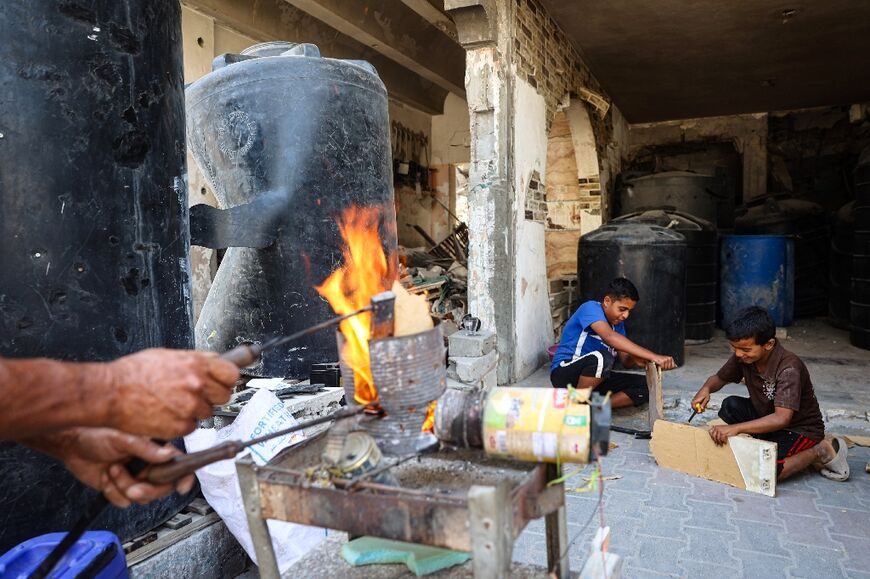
(185, 464)
(342, 484)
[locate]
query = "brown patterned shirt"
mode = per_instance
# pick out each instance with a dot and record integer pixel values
(786, 383)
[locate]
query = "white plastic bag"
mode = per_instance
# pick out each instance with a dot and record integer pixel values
(263, 413)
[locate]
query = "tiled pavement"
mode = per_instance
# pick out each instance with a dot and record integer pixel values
(666, 524)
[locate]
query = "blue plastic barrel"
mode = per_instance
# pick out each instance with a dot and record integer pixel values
(98, 554)
(757, 270)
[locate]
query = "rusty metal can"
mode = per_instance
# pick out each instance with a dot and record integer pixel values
(361, 456)
(545, 425)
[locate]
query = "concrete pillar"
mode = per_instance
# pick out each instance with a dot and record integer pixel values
(484, 31)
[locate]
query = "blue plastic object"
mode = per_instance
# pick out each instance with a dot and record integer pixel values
(97, 554)
(757, 270)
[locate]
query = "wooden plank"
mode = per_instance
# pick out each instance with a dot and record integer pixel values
(656, 399)
(745, 462)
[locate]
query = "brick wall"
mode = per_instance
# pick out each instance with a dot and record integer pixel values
(545, 58)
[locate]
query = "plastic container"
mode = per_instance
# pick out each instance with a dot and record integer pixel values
(93, 217)
(654, 259)
(288, 141)
(97, 555)
(757, 270)
(692, 193)
(702, 267)
(806, 222)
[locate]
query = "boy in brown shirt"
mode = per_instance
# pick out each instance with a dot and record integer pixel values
(782, 405)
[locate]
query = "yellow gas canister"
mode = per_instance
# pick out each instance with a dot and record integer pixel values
(538, 424)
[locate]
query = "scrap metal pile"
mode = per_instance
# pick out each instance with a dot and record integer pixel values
(441, 274)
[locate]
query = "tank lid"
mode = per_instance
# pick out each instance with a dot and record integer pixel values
(670, 175)
(667, 218)
(282, 48)
(633, 233)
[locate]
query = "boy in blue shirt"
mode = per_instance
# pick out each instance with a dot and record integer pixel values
(593, 338)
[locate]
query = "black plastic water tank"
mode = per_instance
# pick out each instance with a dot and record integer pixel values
(840, 270)
(702, 269)
(781, 214)
(693, 193)
(288, 141)
(654, 259)
(93, 215)
(859, 331)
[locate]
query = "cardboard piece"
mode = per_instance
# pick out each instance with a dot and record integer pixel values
(745, 462)
(411, 313)
(855, 439)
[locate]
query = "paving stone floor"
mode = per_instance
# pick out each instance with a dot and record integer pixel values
(666, 524)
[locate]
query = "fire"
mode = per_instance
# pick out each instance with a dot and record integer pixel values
(366, 272)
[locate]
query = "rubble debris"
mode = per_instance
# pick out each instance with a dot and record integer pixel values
(443, 283)
(564, 301)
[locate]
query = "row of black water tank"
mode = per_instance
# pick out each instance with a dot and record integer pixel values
(651, 244)
(849, 304)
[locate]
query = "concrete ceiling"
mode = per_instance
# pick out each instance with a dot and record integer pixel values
(673, 59)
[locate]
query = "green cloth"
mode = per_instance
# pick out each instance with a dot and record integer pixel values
(420, 559)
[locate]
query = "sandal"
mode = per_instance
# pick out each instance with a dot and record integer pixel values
(837, 469)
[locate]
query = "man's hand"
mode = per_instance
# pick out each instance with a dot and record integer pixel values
(96, 456)
(720, 433)
(162, 393)
(701, 399)
(664, 362)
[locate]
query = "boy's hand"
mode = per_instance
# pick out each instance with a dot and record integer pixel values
(720, 433)
(664, 362)
(701, 399)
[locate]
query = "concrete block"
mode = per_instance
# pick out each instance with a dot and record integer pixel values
(471, 370)
(461, 344)
(558, 299)
(556, 285)
(456, 385)
(489, 381)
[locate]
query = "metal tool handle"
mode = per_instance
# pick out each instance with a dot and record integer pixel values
(243, 355)
(185, 464)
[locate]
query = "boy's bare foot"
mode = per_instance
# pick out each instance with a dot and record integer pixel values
(825, 452)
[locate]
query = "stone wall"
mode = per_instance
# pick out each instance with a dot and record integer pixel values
(546, 59)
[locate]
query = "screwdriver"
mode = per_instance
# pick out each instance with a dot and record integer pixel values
(697, 408)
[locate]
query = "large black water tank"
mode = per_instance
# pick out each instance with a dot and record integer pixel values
(859, 332)
(693, 193)
(702, 269)
(781, 214)
(93, 214)
(840, 270)
(654, 259)
(288, 141)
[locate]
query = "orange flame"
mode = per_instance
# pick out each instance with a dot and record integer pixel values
(366, 272)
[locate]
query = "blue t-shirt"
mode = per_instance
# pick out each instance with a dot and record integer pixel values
(578, 337)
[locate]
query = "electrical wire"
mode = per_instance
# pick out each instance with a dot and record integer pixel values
(599, 509)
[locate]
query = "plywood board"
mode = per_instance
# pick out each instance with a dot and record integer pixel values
(745, 462)
(656, 398)
(561, 252)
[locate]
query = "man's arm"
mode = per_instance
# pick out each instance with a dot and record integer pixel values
(622, 344)
(780, 419)
(155, 392)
